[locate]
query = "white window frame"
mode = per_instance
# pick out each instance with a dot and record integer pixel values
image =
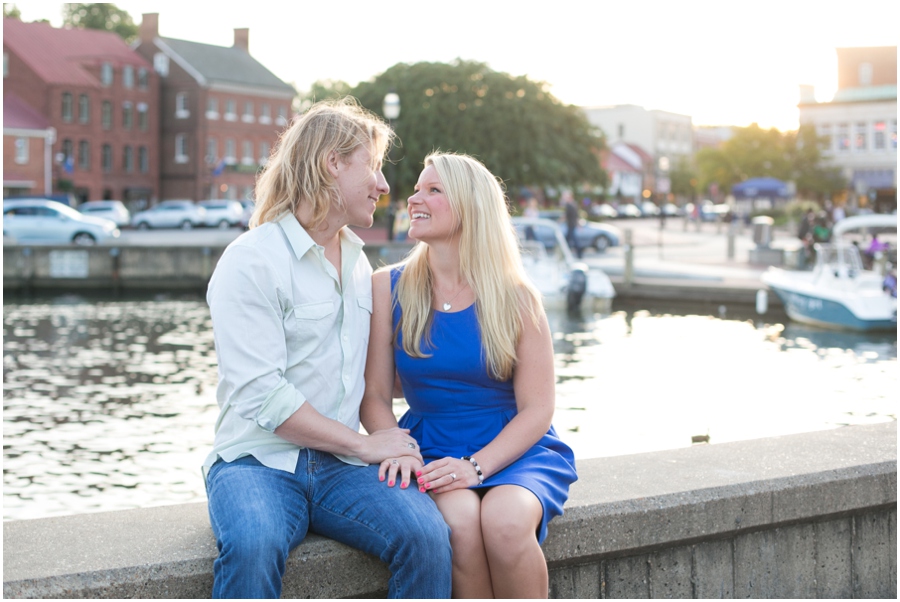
(143, 115)
(67, 109)
(181, 106)
(181, 148)
(107, 75)
(282, 116)
(143, 78)
(128, 159)
(84, 108)
(264, 151)
(161, 64)
(128, 76)
(22, 151)
(247, 154)
(230, 151)
(265, 113)
(230, 110)
(127, 115)
(248, 116)
(212, 108)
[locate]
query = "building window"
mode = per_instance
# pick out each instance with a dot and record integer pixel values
(106, 112)
(106, 74)
(230, 110)
(212, 108)
(212, 150)
(161, 64)
(860, 141)
(127, 115)
(263, 153)
(67, 151)
(143, 160)
(865, 74)
(282, 116)
(84, 108)
(66, 107)
(128, 159)
(843, 137)
(879, 129)
(21, 151)
(143, 78)
(265, 113)
(248, 116)
(84, 155)
(128, 76)
(181, 106)
(247, 155)
(825, 133)
(230, 158)
(143, 116)
(106, 158)
(181, 148)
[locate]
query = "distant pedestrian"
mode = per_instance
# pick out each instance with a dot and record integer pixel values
(572, 216)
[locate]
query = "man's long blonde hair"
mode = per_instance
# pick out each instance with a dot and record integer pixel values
(489, 261)
(297, 172)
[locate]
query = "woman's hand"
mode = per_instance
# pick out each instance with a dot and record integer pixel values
(447, 474)
(405, 466)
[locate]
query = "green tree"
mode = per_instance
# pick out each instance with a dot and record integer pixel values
(683, 177)
(513, 125)
(11, 11)
(102, 16)
(813, 179)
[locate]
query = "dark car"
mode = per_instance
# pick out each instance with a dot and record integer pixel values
(587, 234)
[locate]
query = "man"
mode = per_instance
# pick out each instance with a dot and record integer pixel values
(291, 302)
(572, 216)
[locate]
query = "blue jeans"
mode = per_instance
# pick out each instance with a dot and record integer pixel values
(259, 514)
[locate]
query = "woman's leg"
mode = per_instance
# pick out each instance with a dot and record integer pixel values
(462, 512)
(510, 516)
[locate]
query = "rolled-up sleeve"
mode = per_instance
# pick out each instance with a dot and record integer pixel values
(248, 308)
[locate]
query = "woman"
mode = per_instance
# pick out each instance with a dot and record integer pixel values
(466, 332)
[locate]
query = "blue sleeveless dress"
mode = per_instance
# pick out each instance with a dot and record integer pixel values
(456, 409)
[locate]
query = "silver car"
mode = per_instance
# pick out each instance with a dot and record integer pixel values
(171, 214)
(222, 214)
(111, 210)
(44, 221)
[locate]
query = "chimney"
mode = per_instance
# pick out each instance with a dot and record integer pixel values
(149, 27)
(242, 39)
(807, 95)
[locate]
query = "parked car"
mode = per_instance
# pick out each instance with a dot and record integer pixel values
(709, 211)
(111, 210)
(649, 209)
(670, 209)
(603, 210)
(44, 221)
(629, 210)
(171, 214)
(587, 234)
(248, 206)
(222, 213)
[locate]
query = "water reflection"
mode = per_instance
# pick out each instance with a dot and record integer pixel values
(111, 404)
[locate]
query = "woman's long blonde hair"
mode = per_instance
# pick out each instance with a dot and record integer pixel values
(297, 172)
(489, 261)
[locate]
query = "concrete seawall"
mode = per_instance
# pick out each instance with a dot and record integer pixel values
(807, 516)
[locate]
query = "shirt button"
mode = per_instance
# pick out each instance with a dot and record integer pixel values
(345, 337)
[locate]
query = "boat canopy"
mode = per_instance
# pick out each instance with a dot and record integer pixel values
(872, 220)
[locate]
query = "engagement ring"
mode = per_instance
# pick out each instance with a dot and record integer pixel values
(411, 445)
(453, 476)
(393, 462)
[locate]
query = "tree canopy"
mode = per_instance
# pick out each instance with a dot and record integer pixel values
(754, 152)
(524, 135)
(11, 11)
(102, 16)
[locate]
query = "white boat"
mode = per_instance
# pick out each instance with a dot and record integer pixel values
(564, 282)
(838, 292)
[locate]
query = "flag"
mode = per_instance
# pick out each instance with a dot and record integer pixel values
(219, 168)
(69, 164)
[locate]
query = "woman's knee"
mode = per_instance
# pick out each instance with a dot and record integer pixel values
(510, 518)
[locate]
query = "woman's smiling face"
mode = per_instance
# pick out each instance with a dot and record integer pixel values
(430, 216)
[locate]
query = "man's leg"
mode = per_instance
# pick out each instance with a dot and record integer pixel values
(402, 527)
(258, 515)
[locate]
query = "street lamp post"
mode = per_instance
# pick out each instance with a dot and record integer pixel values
(391, 110)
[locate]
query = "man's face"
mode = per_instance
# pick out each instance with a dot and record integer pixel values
(360, 184)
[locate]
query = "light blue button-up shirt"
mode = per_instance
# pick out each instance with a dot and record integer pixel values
(287, 332)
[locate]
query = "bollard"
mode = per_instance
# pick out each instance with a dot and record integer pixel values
(731, 243)
(629, 259)
(762, 301)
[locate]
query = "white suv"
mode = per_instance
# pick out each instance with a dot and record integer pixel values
(222, 214)
(45, 221)
(171, 214)
(112, 210)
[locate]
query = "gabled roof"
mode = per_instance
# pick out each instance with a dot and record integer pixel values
(59, 56)
(225, 65)
(19, 115)
(612, 162)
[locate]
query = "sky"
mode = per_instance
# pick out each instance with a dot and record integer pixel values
(721, 62)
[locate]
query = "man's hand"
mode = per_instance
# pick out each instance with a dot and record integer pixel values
(389, 443)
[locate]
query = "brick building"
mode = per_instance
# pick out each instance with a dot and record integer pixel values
(27, 149)
(860, 124)
(99, 96)
(221, 113)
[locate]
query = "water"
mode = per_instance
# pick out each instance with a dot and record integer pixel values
(110, 404)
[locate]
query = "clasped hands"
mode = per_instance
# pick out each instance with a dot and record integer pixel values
(439, 476)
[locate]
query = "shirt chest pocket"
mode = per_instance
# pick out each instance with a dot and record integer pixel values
(310, 326)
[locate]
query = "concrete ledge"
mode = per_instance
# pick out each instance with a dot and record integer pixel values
(810, 515)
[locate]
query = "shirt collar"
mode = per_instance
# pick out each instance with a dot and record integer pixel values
(301, 241)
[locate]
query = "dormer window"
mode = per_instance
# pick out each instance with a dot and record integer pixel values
(181, 106)
(161, 64)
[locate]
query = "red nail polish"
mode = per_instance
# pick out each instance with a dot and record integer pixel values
(421, 481)
(380, 478)
(419, 473)
(403, 486)
(428, 486)
(422, 489)
(391, 483)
